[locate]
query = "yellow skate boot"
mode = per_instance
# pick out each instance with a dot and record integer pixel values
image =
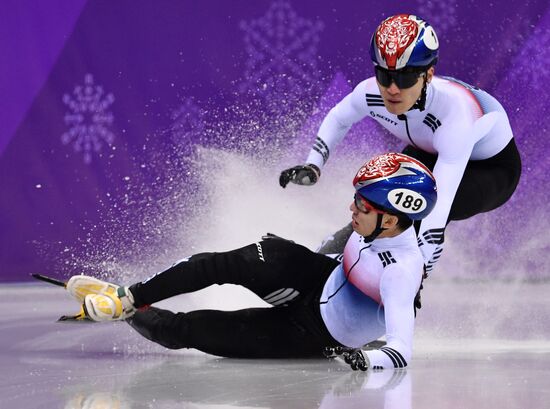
(80, 286)
(110, 305)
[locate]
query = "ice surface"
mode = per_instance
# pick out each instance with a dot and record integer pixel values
(477, 345)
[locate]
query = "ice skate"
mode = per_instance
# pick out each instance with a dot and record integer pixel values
(80, 286)
(111, 305)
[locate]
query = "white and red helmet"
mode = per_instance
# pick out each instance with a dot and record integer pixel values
(404, 40)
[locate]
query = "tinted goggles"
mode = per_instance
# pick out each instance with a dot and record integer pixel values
(363, 205)
(402, 79)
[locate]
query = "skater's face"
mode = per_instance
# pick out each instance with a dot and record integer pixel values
(364, 216)
(399, 100)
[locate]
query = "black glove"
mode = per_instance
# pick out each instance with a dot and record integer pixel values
(353, 357)
(418, 297)
(356, 360)
(300, 175)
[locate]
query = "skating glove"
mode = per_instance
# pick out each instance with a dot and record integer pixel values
(418, 297)
(355, 358)
(300, 175)
(418, 300)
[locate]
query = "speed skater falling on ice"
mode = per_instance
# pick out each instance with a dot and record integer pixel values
(320, 305)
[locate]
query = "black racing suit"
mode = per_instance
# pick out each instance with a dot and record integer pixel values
(287, 275)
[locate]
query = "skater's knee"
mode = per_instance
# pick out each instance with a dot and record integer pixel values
(335, 243)
(161, 326)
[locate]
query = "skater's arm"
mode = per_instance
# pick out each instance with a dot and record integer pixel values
(398, 289)
(454, 142)
(337, 123)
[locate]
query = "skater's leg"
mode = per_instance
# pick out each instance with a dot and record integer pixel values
(265, 268)
(250, 333)
(336, 243)
(485, 185)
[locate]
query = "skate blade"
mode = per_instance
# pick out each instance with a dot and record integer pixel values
(81, 317)
(49, 280)
(74, 319)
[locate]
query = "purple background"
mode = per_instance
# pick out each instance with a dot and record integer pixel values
(104, 101)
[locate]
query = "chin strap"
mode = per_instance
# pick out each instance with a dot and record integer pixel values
(420, 103)
(377, 230)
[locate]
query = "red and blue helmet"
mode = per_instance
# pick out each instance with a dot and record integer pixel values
(397, 184)
(403, 41)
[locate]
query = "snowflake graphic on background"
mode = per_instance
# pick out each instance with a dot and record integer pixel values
(187, 122)
(282, 56)
(533, 61)
(440, 14)
(513, 41)
(89, 118)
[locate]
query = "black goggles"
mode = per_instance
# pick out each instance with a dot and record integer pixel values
(402, 79)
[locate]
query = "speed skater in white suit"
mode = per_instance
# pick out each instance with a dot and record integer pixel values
(459, 131)
(319, 305)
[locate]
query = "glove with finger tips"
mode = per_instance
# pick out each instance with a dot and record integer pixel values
(357, 360)
(301, 175)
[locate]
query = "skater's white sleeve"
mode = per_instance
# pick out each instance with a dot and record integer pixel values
(337, 123)
(454, 144)
(397, 289)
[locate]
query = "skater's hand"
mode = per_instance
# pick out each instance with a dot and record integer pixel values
(355, 358)
(418, 297)
(300, 175)
(418, 300)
